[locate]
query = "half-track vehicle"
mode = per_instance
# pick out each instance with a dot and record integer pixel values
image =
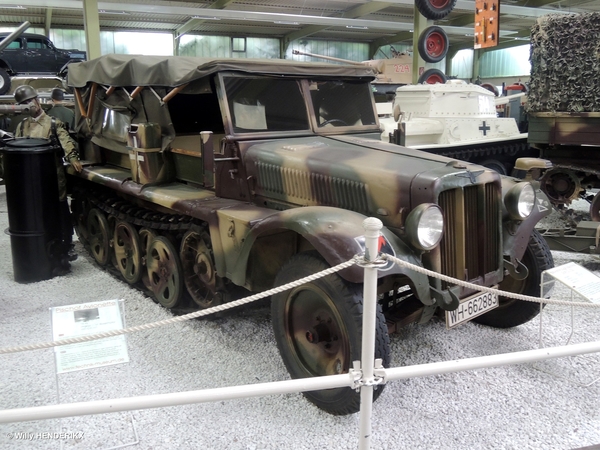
(563, 107)
(456, 119)
(203, 177)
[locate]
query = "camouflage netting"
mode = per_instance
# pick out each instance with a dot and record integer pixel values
(565, 63)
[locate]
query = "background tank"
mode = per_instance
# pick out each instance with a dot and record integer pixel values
(455, 119)
(391, 72)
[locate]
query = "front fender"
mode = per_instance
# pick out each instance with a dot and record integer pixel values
(517, 233)
(333, 233)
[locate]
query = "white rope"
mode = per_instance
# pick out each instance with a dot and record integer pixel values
(477, 287)
(276, 290)
(201, 313)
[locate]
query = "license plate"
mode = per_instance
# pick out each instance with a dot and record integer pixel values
(471, 307)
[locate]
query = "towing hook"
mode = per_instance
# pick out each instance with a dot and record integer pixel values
(517, 270)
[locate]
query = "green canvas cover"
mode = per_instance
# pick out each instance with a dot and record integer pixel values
(172, 71)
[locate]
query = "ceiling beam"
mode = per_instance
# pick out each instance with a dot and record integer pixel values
(353, 13)
(194, 22)
(526, 11)
(537, 4)
(242, 15)
(221, 4)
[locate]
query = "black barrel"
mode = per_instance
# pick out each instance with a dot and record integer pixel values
(33, 207)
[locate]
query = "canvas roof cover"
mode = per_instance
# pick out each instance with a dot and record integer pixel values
(172, 71)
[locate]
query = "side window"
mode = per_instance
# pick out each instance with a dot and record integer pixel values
(14, 44)
(193, 113)
(265, 104)
(342, 103)
(37, 43)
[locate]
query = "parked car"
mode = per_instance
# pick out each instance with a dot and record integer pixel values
(33, 54)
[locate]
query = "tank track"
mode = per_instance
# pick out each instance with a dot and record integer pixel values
(146, 218)
(505, 153)
(171, 225)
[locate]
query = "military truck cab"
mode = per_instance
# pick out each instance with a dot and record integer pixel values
(203, 177)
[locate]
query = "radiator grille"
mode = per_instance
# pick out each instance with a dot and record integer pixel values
(470, 247)
(303, 188)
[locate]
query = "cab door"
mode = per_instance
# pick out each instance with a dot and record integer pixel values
(41, 56)
(14, 55)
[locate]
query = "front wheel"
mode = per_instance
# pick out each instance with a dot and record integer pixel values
(510, 312)
(318, 329)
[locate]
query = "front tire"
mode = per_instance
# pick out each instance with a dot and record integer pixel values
(511, 313)
(318, 329)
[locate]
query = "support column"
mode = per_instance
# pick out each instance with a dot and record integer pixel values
(91, 23)
(420, 23)
(477, 54)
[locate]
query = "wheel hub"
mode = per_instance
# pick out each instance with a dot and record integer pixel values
(320, 333)
(561, 186)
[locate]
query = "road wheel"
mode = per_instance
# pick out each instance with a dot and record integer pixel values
(4, 82)
(435, 9)
(200, 275)
(433, 44)
(146, 237)
(511, 313)
(318, 328)
(432, 76)
(98, 235)
(128, 253)
(164, 272)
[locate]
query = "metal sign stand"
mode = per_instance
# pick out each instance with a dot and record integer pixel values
(585, 285)
(96, 356)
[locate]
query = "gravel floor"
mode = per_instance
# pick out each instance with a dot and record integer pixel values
(529, 406)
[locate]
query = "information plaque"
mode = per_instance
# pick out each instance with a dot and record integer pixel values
(83, 320)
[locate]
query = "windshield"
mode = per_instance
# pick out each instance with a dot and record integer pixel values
(266, 104)
(342, 103)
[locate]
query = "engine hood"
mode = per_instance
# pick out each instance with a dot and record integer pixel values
(355, 173)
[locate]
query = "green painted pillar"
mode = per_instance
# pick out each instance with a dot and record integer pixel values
(420, 24)
(91, 22)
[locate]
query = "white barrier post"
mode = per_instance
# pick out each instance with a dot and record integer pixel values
(372, 228)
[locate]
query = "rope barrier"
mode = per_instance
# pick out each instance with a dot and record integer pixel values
(356, 260)
(480, 288)
(194, 315)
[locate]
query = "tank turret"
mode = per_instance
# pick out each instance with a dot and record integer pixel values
(455, 119)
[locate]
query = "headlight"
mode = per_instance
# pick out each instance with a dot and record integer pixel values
(520, 200)
(424, 226)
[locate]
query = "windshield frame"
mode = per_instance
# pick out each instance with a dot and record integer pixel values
(304, 84)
